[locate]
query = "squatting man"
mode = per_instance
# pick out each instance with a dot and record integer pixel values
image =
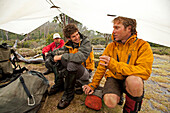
(128, 61)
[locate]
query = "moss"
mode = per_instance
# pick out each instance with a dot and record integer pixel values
(154, 87)
(164, 85)
(151, 111)
(160, 79)
(162, 66)
(167, 95)
(148, 95)
(156, 96)
(157, 61)
(145, 106)
(163, 57)
(167, 104)
(160, 72)
(105, 109)
(161, 50)
(159, 106)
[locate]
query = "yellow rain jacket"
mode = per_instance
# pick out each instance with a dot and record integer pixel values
(135, 57)
(81, 53)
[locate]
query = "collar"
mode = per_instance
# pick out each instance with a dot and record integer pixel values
(129, 38)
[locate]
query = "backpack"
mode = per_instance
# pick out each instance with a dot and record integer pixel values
(24, 93)
(19, 92)
(5, 61)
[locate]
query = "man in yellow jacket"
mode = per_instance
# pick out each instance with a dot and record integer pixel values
(78, 61)
(125, 63)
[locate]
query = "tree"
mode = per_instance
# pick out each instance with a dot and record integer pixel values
(46, 29)
(2, 34)
(6, 33)
(107, 38)
(63, 20)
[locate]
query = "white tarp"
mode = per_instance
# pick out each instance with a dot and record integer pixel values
(152, 15)
(27, 24)
(23, 16)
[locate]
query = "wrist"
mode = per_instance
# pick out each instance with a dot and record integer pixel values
(45, 54)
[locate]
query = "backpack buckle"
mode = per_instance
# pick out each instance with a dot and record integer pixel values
(29, 101)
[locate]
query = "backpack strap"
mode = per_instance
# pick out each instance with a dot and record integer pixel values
(4, 61)
(30, 97)
(3, 85)
(14, 59)
(4, 45)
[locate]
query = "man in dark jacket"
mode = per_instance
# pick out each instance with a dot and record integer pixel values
(78, 60)
(58, 43)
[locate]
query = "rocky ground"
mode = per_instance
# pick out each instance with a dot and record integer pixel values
(156, 99)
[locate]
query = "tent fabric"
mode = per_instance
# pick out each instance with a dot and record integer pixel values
(23, 16)
(27, 24)
(152, 16)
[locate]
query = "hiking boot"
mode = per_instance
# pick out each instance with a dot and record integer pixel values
(132, 104)
(65, 102)
(54, 89)
(68, 95)
(121, 100)
(57, 87)
(47, 72)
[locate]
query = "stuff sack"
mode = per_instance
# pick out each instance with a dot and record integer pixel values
(5, 63)
(94, 101)
(24, 93)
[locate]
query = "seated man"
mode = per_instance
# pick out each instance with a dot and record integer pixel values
(125, 63)
(58, 43)
(78, 60)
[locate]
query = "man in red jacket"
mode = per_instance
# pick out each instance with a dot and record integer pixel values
(58, 43)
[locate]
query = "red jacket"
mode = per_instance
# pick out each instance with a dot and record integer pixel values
(52, 46)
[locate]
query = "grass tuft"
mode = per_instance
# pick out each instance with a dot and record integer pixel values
(159, 106)
(160, 79)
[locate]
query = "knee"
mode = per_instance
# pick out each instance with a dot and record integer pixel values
(134, 85)
(111, 100)
(134, 82)
(71, 66)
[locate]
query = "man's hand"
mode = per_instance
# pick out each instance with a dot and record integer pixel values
(87, 90)
(46, 53)
(106, 59)
(57, 57)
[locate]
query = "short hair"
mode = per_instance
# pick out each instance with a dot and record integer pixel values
(69, 30)
(127, 22)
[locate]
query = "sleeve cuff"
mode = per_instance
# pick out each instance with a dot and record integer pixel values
(91, 86)
(112, 61)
